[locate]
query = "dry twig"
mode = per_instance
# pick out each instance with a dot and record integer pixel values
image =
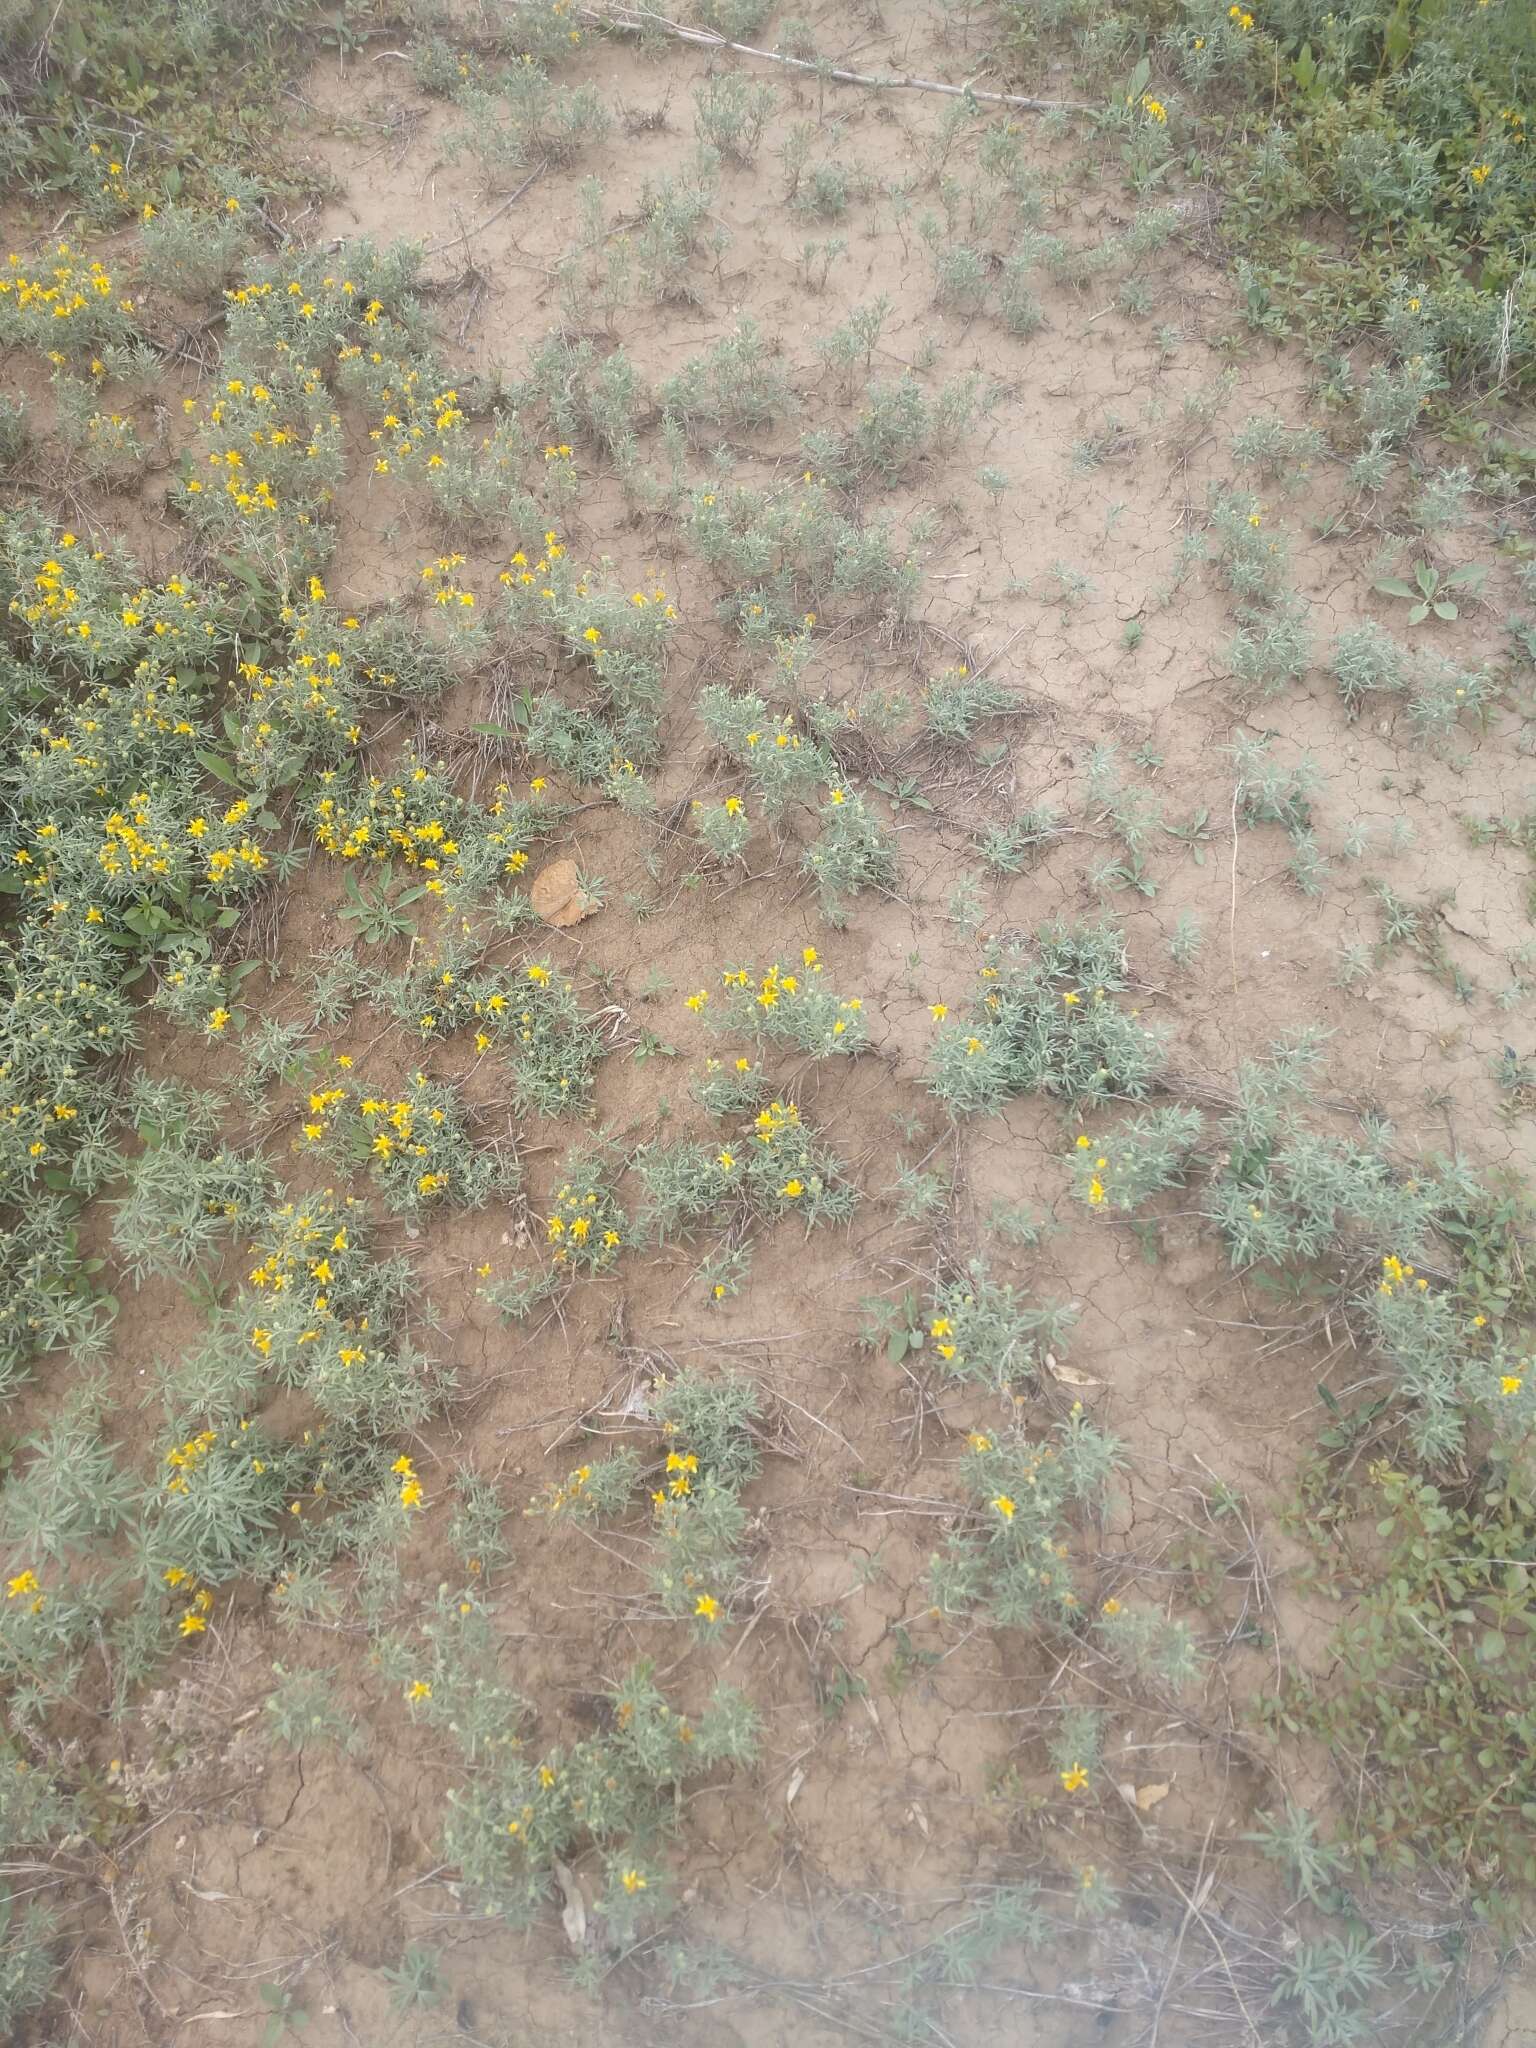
(637, 20)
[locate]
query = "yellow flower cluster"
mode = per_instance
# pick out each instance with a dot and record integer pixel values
(304, 689)
(775, 1120)
(789, 1004)
(407, 437)
(343, 287)
(56, 595)
(185, 1458)
(418, 819)
(581, 1226)
(562, 1495)
(411, 1494)
(43, 304)
(384, 828)
(784, 736)
(523, 574)
(23, 1583)
(256, 440)
(400, 1134)
(1395, 1278)
(162, 613)
(1096, 1194)
(136, 844)
(194, 1617)
(447, 590)
(303, 1262)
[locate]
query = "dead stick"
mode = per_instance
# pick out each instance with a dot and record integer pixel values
(634, 20)
(438, 248)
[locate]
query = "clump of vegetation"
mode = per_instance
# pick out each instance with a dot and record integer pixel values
(1044, 1020)
(507, 1829)
(779, 1166)
(1009, 1560)
(1436, 1747)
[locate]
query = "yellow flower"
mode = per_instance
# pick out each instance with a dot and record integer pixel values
(1479, 173)
(708, 1607)
(792, 1190)
(420, 1690)
(1075, 1779)
(1096, 1192)
(1511, 1383)
(193, 1623)
(1004, 1506)
(217, 1019)
(24, 1582)
(632, 1881)
(1110, 1607)
(698, 999)
(938, 1012)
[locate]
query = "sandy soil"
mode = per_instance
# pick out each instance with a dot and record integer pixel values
(904, 1761)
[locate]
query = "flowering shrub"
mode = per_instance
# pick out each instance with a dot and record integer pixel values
(417, 1146)
(778, 1168)
(1046, 1022)
(1009, 1555)
(792, 1008)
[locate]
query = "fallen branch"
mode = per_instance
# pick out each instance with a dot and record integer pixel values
(635, 20)
(533, 176)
